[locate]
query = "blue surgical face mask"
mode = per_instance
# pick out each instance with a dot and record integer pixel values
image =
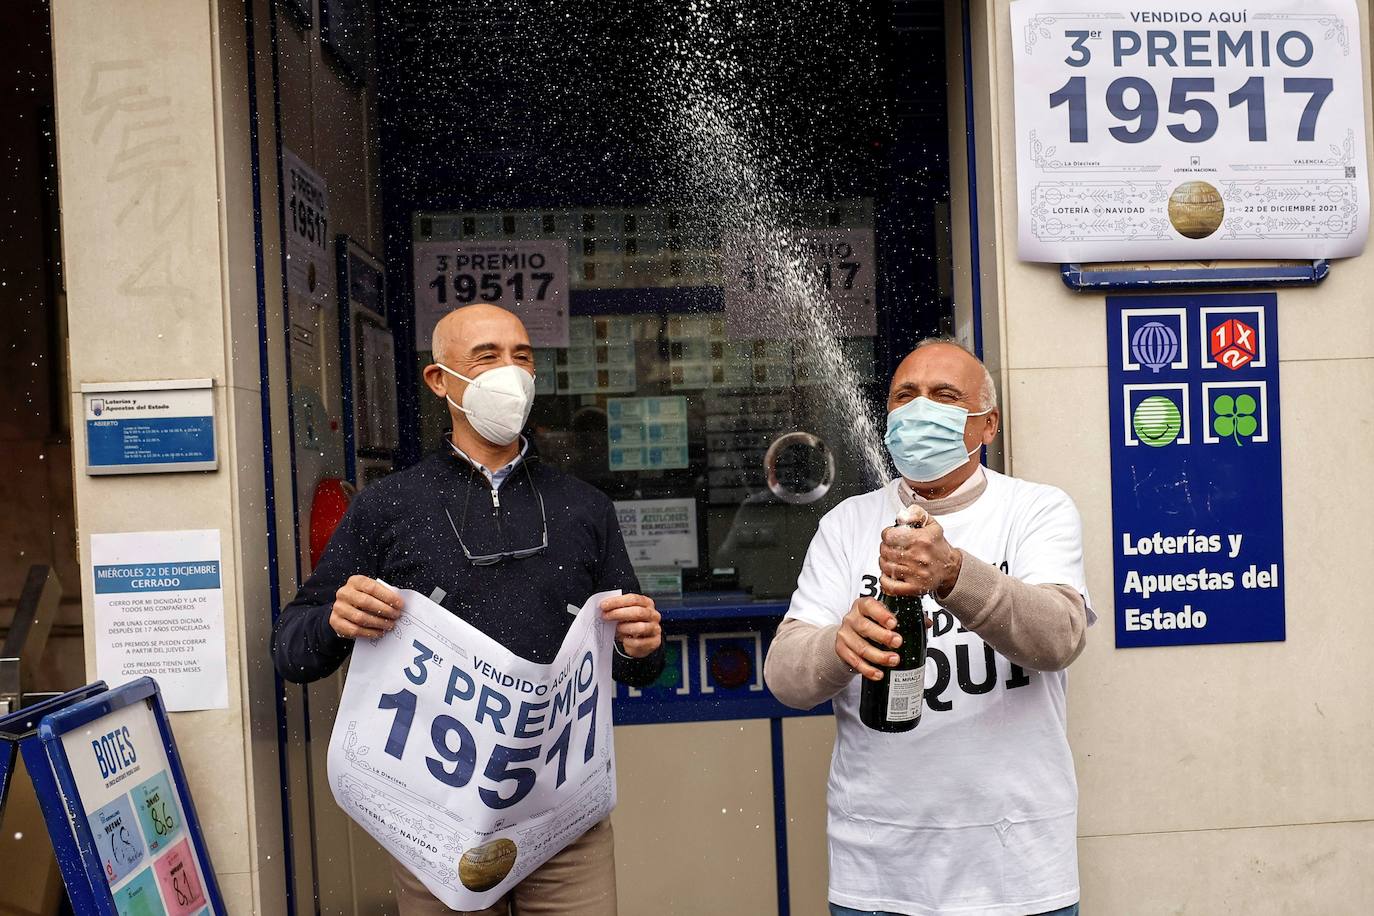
(926, 439)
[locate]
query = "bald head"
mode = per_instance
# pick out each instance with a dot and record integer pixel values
(469, 341)
(948, 367)
(943, 372)
(480, 326)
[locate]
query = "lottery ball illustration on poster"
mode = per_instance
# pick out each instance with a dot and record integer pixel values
(483, 867)
(1157, 421)
(1196, 209)
(1154, 345)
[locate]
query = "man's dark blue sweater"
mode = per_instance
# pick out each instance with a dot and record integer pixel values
(396, 530)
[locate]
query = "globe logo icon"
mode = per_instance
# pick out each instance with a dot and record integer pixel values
(1157, 421)
(1154, 345)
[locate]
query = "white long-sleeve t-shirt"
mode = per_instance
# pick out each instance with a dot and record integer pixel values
(974, 812)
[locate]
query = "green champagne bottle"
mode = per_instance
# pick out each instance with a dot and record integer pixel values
(894, 703)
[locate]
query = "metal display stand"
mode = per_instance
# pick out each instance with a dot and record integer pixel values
(127, 730)
(27, 638)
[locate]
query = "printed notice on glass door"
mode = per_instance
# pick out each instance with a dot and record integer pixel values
(309, 249)
(159, 612)
(530, 278)
(1160, 130)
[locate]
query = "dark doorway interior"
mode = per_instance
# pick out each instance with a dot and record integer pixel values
(543, 119)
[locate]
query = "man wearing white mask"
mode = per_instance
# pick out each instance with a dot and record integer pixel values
(501, 540)
(973, 812)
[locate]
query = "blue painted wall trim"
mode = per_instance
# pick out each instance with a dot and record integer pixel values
(780, 819)
(970, 146)
(345, 300)
(269, 483)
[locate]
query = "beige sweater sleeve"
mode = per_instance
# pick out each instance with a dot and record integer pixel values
(802, 669)
(1041, 627)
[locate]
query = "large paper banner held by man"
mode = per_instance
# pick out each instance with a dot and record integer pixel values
(473, 766)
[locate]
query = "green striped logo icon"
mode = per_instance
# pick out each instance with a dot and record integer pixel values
(1157, 421)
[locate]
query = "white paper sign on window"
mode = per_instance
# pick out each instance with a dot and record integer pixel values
(659, 532)
(528, 278)
(764, 291)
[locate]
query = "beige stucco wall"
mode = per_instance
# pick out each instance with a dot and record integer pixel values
(155, 171)
(153, 292)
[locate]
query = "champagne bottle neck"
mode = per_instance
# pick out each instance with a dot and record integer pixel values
(904, 602)
(900, 604)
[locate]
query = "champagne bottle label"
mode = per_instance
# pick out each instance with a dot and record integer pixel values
(904, 691)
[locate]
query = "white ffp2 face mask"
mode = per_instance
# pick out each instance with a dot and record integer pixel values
(497, 402)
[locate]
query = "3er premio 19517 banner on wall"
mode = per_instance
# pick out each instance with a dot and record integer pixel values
(470, 765)
(1160, 130)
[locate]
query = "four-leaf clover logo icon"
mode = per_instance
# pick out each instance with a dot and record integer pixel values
(1235, 417)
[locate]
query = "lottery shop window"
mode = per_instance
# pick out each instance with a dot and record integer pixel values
(673, 384)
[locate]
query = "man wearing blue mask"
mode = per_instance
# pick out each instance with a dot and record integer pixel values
(973, 812)
(502, 541)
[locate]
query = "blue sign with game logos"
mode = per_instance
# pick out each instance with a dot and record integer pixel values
(1197, 479)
